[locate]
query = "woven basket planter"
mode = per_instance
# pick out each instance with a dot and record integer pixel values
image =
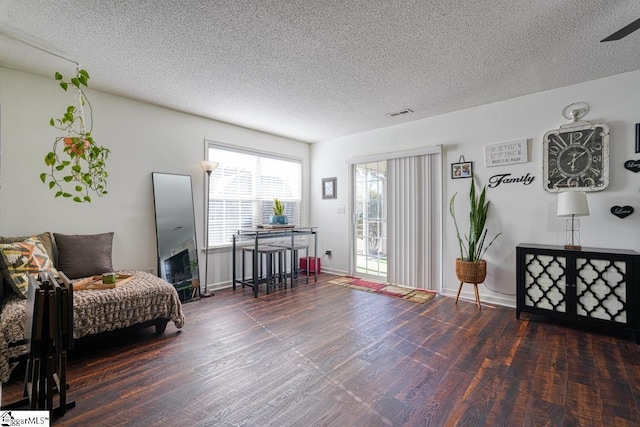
(471, 272)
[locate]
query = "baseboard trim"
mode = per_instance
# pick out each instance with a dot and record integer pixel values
(468, 295)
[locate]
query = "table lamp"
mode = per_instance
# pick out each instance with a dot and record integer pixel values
(573, 204)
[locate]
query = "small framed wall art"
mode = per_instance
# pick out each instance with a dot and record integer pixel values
(329, 188)
(462, 169)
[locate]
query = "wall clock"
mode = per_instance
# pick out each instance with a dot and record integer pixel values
(576, 155)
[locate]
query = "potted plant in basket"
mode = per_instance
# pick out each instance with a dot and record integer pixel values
(278, 216)
(470, 267)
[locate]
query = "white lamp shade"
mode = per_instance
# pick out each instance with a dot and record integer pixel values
(208, 165)
(573, 203)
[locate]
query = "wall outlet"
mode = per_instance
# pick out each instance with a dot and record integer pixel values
(327, 253)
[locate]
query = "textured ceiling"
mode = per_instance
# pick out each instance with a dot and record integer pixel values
(315, 70)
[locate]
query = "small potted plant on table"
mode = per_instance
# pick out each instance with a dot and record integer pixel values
(278, 216)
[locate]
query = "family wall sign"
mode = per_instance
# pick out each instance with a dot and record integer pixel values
(506, 178)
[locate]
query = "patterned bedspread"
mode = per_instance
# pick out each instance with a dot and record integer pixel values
(143, 299)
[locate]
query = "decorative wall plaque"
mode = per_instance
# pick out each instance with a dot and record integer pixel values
(632, 165)
(506, 153)
(622, 211)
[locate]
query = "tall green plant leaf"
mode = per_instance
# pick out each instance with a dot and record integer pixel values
(472, 247)
(452, 211)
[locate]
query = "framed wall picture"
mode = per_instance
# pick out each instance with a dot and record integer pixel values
(461, 170)
(329, 188)
(506, 153)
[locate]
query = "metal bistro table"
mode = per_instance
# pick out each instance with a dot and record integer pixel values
(259, 234)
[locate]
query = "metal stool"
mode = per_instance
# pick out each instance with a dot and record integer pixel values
(295, 248)
(268, 273)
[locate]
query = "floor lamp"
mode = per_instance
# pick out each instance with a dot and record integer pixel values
(208, 166)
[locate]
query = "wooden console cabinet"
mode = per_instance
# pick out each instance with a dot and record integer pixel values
(595, 287)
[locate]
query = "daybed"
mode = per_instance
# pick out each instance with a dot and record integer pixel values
(145, 300)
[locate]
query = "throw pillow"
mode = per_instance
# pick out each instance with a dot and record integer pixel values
(45, 239)
(47, 242)
(22, 259)
(84, 255)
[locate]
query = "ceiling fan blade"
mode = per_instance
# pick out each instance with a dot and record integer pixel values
(624, 32)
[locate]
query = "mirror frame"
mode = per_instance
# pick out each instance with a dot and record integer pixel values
(161, 227)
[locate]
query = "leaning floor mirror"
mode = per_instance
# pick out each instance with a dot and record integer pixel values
(176, 233)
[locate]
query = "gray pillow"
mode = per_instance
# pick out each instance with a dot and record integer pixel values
(84, 255)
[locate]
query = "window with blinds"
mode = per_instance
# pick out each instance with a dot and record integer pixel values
(242, 189)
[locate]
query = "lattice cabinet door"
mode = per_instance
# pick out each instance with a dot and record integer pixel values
(592, 286)
(602, 289)
(545, 282)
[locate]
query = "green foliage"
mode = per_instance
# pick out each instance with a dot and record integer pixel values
(472, 248)
(77, 163)
(278, 207)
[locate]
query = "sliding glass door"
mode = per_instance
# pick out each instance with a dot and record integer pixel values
(370, 219)
(397, 217)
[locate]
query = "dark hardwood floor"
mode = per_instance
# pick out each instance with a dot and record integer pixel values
(325, 355)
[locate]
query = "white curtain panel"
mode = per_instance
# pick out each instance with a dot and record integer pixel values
(414, 221)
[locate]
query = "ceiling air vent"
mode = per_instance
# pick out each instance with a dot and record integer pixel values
(400, 113)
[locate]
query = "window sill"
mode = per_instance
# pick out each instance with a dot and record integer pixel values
(246, 243)
(217, 249)
(228, 247)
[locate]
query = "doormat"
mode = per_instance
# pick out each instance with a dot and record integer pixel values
(415, 295)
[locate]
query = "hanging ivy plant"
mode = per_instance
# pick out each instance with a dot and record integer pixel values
(77, 162)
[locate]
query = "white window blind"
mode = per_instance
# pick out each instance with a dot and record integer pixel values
(242, 189)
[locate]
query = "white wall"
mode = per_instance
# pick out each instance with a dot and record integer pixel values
(524, 214)
(143, 138)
